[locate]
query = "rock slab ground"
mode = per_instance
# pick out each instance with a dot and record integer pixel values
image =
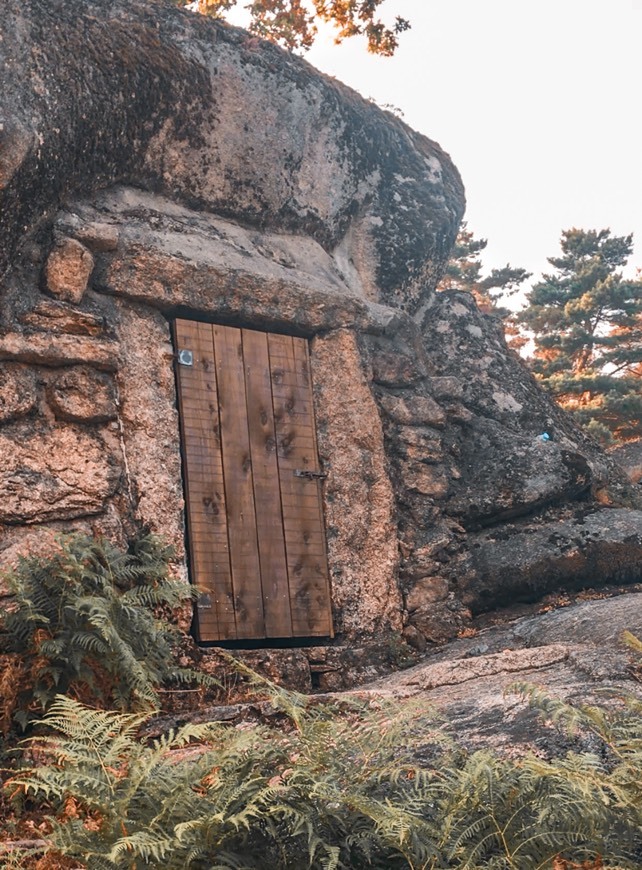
(575, 654)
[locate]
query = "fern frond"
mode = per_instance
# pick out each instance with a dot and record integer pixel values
(85, 617)
(632, 642)
(379, 785)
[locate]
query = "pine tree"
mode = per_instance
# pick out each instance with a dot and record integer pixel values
(586, 321)
(464, 272)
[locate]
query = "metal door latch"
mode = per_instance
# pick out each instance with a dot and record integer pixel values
(185, 358)
(310, 475)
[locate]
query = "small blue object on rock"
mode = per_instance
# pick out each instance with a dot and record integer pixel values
(544, 436)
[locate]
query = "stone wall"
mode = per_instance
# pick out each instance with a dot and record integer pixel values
(106, 364)
(189, 107)
(441, 500)
(240, 186)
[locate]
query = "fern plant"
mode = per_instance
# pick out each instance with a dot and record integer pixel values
(201, 796)
(351, 784)
(343, 786)
(85, 623)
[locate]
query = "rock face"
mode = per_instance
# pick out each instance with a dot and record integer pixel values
(67, 272)
(529, 560)
(360, 504)
(17, 391)
(575, 654)
(163, 108)
(62, 473)
(629, 457)
(82, 395)
(157, 165)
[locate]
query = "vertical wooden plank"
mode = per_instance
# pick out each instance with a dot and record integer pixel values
(237, 474)
(267, 496)
(300, 497)
(324, 593)
(204, 490)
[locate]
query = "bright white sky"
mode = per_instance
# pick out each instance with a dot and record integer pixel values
(536, 101)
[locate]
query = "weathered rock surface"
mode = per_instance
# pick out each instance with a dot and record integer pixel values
(18, 391)
(359, 501)
(426, 591)
(542, 501)
(68, 268)
(629, 457)
(172, 256)
(575, 654)
(526, 561)
(152, 483)
(163, 107)
(97, 235)
(507, 406)
(505, 474)
(82, 395)
(61, 473)
(58, 350)
(420, 411)
(58, 317)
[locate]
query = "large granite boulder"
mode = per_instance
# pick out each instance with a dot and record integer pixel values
(154, 165)
(95, 93)
(575, 655)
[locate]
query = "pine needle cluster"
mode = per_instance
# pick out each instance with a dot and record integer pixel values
(88, 622)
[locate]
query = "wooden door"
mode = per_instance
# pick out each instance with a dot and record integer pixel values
(252, 485)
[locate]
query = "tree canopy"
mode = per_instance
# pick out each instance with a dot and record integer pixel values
(586, 323)
(293, 23)
(464, 272)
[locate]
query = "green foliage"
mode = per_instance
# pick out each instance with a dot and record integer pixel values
(340, 786)
(464, 272)
(293, 23)
(331, 785)
(586, 321)
(87, 623)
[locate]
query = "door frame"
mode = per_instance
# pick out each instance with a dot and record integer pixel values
(273, 371)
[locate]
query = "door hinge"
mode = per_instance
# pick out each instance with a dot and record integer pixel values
(309, 475)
